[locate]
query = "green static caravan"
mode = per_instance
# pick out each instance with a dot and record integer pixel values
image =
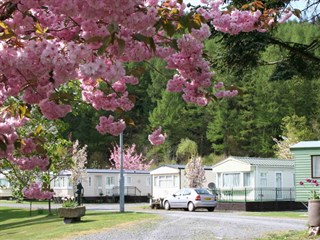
(306, 165)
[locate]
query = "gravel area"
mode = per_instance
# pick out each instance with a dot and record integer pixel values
(180, 225)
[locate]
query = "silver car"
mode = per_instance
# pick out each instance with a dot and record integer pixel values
(190, 199)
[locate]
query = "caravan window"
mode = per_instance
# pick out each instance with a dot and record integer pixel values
(231, 180)
(247, 179)
(128, 180)
(110, 181)
(155, 181)
(62, 182)
(89, 181)
(4, 183)
(166, 181)
(148, 180)
(315, 166)
(263, 179)
(175, 181)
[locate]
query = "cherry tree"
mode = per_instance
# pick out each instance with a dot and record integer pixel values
(47, 44)
(79, 160)
(195, 172)
(131, 159)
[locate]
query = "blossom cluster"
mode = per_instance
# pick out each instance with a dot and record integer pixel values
(108, 125)
(224, 93)
(194, 72)
(34, 191)
(234, 21)
(45, 44)
(131, 159)
(157, 137)
(32, 162)
(8, 131)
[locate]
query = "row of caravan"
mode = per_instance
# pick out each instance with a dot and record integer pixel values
(104, 183)
(236, 178)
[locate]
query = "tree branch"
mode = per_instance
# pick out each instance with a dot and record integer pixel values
(9, 9)
(301, 52)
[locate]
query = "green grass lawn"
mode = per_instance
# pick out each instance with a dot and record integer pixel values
(26, 202)
(17, 223)
(290, 235)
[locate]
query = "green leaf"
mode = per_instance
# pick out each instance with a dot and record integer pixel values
(17, 144)
(158, 25)
(174, 44)
(38, 29)
(106, 41)
(38, 129)
(6, 32)
(152, 44)
(22, 111)
(129, 121)
(3, 146)
(94, 39)
(4, 36)
(113, 28)
(169, 28)
(121, 44)
(147, 40)
(141, 38)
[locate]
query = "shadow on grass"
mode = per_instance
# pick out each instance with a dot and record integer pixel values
(21, 217)
(11, 213)
(29, 221)
(97, 213)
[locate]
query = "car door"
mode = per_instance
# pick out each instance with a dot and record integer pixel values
(185, 198)
(175, 199)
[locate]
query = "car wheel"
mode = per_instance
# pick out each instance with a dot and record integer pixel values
(167, 205)
(191, 207)
(210, 209)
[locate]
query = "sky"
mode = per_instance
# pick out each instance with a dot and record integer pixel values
(295, 4)
(298, 4)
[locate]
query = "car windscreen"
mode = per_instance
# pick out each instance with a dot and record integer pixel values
(202, 191)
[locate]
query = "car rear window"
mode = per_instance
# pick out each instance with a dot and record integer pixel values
(202, 191)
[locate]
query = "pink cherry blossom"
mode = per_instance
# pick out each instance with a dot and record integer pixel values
(156, 137)
(89, 41)
(29, 163)
(34, 191)
(131, 159)
(52, 110)
(108, 125)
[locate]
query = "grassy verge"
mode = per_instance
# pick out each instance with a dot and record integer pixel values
(286, 214)
(290, 235)
(25, 202)
(17, 224)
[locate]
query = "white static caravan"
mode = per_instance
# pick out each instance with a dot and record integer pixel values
(105, 182)
(254, 179)
(5, 188)
(168, 179)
